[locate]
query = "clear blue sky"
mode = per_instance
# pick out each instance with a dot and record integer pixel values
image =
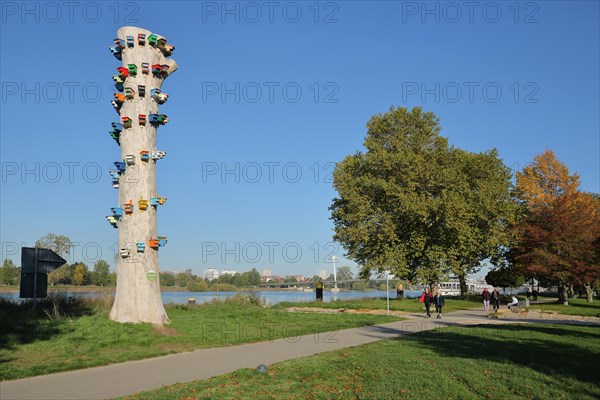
(362, 56)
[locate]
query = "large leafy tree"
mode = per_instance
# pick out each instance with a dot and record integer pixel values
(557, 240)
(62, 246)
(413, 204)
(101, 274)
(504, 277)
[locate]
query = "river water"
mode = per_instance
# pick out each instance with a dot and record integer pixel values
(269, 297)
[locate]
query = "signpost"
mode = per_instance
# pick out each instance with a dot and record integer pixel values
(35, 265)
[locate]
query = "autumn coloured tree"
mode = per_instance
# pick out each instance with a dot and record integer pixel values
(557, 239)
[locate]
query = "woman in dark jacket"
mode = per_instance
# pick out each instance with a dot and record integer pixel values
(495, 299)
(427, 298)
(439, 302)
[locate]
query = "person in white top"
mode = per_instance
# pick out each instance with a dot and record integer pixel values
(514, 302)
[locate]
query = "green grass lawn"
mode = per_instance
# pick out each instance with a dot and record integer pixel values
(576, 307)
(406, 305)
(40, 345)
(534, 361)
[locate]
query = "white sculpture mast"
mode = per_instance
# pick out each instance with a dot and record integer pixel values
(139, 80)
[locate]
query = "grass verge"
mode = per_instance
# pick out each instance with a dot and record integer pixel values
(531, 361)
(72, 333)
(576, 307)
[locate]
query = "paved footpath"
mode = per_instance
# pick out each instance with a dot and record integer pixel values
(135, 376)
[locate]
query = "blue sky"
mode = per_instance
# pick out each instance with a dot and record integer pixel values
(267, 97)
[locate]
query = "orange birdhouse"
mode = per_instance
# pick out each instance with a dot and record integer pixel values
(128, 207)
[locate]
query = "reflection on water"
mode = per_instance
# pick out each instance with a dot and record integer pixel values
(269, 297)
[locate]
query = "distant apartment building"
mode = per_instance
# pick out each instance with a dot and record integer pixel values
(228, 272)
(210, 274)
(323, 274)
(265, 272)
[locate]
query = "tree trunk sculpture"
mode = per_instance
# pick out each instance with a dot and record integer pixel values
(145, 66)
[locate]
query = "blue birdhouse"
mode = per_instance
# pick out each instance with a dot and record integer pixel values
(120, 166)
(116, 51)
(141, 246)
(117, 212)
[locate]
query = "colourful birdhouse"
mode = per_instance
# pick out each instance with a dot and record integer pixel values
(124, 253)
(117, 106)
(159, 96)
(142, 90)
(145, 155)
(128, 207)
(120, 165)
(160, 43)
(115, 178)
(129, 93)
(123, 72)
(141, 247)
(116, 51)
(162, 241)
(162, 98)
(117, 126)
(152, 40)
(168, 50)
(158, 119)
(129, 41)
(112, 220)
(119, 43)
(118, 80)
(126, 122)
(143, 204)
(119, 97)
(157, 201)
(145, 68)
(158, 155)
(117, 212)
(130, 159)
(132, 69)
(141, 39)
(116, 136)
(154, 243)
(156, 69)
(142, 119)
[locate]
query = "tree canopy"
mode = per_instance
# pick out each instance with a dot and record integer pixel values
(557, 239)
(417, 206)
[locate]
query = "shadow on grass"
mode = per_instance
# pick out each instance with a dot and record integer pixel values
(535, 347)
(21, 324)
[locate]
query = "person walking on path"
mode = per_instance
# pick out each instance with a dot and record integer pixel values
(427, 298)
(495, 299)
(439, 302)
(486, 299)
(528, 293)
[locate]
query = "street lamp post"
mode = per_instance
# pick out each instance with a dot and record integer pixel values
(334, 259)
(387, 287)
